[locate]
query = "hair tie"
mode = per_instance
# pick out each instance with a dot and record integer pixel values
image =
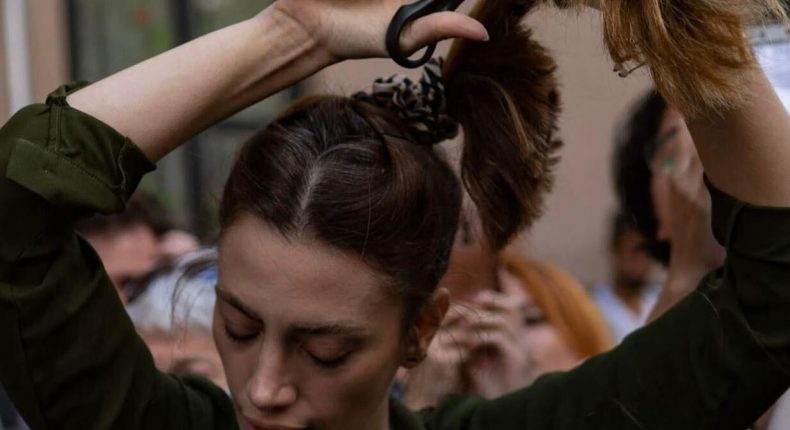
(421, 104)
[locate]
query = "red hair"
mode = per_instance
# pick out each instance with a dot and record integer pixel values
(566, 304)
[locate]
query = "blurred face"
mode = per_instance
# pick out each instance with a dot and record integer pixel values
(309, 336)
(472, 265)
(192, 353)
(127, 254)
(547, 350)
(673, 143)
(632, 262)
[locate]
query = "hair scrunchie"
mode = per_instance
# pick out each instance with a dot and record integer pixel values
(422, 104)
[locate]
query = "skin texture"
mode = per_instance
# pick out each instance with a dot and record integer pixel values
(285, 43)
(317, 333)
(677, 152)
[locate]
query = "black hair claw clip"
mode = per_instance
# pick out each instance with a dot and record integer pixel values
(405, 16)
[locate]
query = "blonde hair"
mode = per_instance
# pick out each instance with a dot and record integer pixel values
(566, 304)
(696, 50)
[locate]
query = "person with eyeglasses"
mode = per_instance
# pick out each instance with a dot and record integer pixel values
(659, 183)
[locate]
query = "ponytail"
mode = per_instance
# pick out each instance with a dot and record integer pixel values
(504, 94)
(696, 50)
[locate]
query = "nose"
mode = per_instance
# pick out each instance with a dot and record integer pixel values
(269, 388)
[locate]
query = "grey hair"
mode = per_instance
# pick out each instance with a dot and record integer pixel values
(181, 298)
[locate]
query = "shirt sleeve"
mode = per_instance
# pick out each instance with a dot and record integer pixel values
(716, 361)
(70, 356)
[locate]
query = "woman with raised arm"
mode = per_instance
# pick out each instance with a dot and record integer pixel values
(337, 223)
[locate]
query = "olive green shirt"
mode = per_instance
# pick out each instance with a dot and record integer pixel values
(70, 358)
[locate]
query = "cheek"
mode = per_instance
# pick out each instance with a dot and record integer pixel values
(162, 351)
(201, 348)
(549, 352)
(659, 188)
(355, 391)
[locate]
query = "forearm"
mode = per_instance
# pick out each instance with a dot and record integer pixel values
(744, 149)
(679, 285)
(163, 101)
(746, 152)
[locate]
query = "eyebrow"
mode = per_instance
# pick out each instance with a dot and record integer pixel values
(336, 328)
(332, 329)
(234, 301)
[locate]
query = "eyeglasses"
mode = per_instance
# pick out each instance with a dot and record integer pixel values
(655, 147)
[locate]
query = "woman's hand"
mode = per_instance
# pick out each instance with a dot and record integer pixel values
(162, 102)
(499, 360)
(440, 372)
(695, 251)
(348, 29)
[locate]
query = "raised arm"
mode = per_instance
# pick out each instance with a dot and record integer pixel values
(720, 357)
(746, 151)
(163, 101)
(71, 358)
(708, 72)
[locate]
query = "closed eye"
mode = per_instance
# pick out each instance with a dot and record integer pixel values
(241, 337)
(328, 362)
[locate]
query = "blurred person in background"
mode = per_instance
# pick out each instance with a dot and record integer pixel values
(173, 314)
(659, 183)
(519, 320)
(132, 243)
(628, 299)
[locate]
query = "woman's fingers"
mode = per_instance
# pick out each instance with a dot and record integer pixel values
(496, 341)
(489, 320)
(490, 301)
(440, 26)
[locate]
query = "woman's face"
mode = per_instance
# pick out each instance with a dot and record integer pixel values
(547, 350)
(676, 146)
(309, 336)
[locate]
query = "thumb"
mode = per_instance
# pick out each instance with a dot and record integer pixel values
(440, 26)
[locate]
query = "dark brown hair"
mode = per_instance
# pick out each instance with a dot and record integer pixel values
(631, 171)
(328, 169)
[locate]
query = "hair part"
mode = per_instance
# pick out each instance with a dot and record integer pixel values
(331, 169)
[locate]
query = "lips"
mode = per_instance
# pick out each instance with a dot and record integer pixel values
(253, 424)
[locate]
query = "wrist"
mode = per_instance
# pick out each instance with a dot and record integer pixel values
(683, 279)
(282, 35)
